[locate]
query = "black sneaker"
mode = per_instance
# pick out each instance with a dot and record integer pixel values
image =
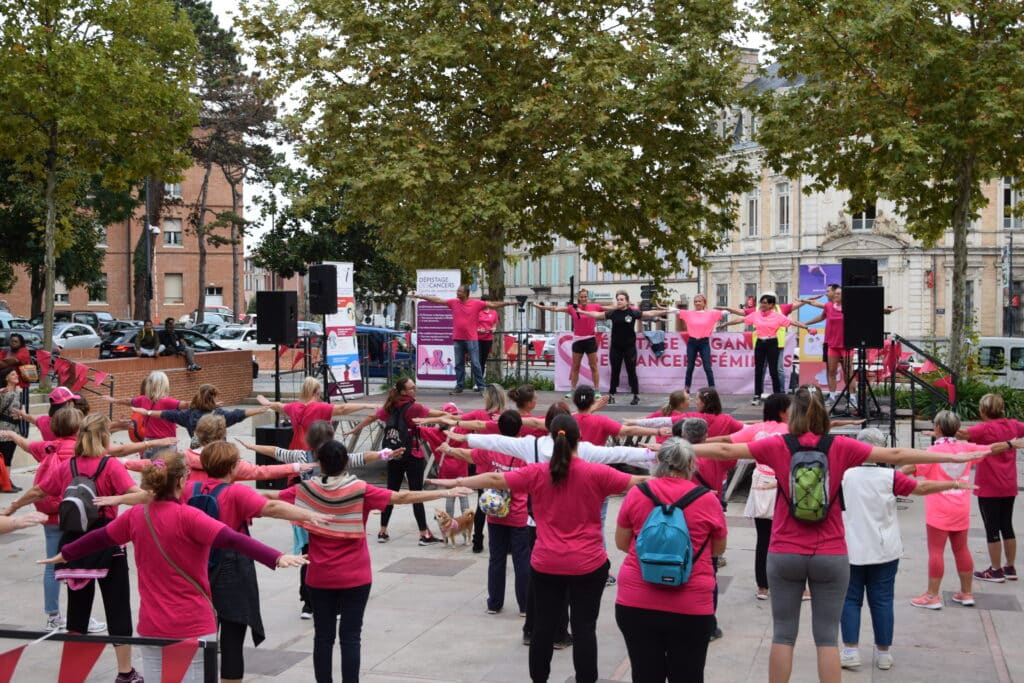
(635, 401)
(716, 634)
(456, 390)
(562, 644)
(429, 540)
(526, 639)
(611, 399)
(132, 676)
(478, 548)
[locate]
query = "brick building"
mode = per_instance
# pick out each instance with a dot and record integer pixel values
(175, 262)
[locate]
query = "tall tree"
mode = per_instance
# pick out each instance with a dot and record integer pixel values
(911, 100)
(89, 86)
(460, 128)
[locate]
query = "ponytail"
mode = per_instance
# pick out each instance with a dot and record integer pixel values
(584, 397)
(807, 412)
(566, 436)
(677, 400)
(522, 395)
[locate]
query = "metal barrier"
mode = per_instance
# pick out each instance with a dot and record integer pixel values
(209, 647)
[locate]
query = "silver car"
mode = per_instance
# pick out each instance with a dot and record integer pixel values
(72, 336)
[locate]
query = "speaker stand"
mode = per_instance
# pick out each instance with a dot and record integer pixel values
(864, 390)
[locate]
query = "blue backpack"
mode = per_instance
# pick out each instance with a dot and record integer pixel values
(663, 545)
(207, 502)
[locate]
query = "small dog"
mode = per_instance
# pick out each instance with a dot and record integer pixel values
(452, 527)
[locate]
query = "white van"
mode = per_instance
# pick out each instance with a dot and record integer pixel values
(1004, 358)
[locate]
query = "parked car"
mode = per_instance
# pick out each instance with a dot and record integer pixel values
(114, 327)
(207, 328)
(90, 318)
(123, 346)
(33, 339)
(372, 345)
(73, 336)
(239, 337)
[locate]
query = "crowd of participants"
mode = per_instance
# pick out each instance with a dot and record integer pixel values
(542, 482)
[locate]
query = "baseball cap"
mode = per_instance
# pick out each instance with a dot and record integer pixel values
(62, 395)
(451, 408)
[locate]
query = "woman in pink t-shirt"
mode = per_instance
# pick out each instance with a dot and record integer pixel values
(339, 575)
(667, 628)
(996, 479)
(154, 394)
(947, 516)
(569, 561)
(172, 549)
(832, 314)
(584, 339)
(766, 322)
(308, 409)
(814, 553)
(678, 401)
(700, 324)
(411, 466)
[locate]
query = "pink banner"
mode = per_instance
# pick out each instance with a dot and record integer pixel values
(732, 360)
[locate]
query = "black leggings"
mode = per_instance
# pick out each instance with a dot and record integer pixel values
(7, 449)
(766, 350)
(764, 537)
(584, 594)
(116, 592)
(409, 468)
(997, 515)
(616, 356)
(665, 645)
(232, 639)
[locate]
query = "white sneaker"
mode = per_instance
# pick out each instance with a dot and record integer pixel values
(849, 659)
(96, 626)
(883, 660)
(54, 622)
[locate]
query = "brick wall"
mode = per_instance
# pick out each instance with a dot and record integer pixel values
(266, 359)
(229, 371)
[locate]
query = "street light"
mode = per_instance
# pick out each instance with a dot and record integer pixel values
(151, 234)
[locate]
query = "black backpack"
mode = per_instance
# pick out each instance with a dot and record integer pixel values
(396, 430)
(77, 511)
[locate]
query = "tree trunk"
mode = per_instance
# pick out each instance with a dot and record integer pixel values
(961, 220)
(236, 199)
(50, 246)
(494, 289)
(201, 238)
(37, 287)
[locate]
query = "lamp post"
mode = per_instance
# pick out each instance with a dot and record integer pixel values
(152, 233)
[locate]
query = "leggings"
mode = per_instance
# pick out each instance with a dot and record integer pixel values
(583, 592)
(412, 469)
(616, 356)
(7, 449)
(701, 347)
(764, 537)
(997, 515)
(664, 645)
(766, 350)
(936, 550)
(827, 575)
(232, 639)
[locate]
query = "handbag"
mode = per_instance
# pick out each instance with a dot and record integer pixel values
(29, 372)
(195, 584)
(761, 499)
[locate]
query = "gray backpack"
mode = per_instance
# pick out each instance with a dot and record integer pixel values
(77, 511)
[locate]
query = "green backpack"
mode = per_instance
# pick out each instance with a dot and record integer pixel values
(809, 486)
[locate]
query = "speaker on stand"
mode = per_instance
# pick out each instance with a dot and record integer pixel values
(863, 329)
(277, 323)
(323, 301)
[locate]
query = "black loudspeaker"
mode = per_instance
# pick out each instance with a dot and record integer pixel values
(323, 289)
(862, 317)
(277, 318)
(860, 272)
(272, 436)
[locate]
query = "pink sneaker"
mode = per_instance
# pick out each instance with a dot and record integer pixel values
(927, 601)
(965, 599)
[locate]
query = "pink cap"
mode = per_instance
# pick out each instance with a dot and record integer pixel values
(451, 408)
(62, 395)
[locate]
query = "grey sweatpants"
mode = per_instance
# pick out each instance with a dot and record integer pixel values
(827, 576)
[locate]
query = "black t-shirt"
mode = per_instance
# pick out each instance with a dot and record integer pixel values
(623, 326)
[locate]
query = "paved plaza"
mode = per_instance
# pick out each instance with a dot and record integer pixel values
(426, 623)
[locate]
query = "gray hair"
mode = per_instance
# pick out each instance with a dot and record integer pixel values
(872, 436)
(675, 457)
(695, 429)
(947, 422)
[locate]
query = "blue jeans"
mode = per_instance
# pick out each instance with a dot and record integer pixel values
(328, 603)
(878, 580)
(695, 347)
(501, 539)
(51, 587)
(464, 347)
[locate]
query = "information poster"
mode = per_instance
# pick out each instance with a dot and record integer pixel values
(435, 366)
(340, 328)
(814, 278)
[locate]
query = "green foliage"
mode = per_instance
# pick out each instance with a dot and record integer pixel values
(907, 100)
(459, 129)
(969, 392)
(510, 381)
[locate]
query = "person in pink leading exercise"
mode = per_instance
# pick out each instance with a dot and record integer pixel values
(465, 337)
(700, 324)
(584, 339)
